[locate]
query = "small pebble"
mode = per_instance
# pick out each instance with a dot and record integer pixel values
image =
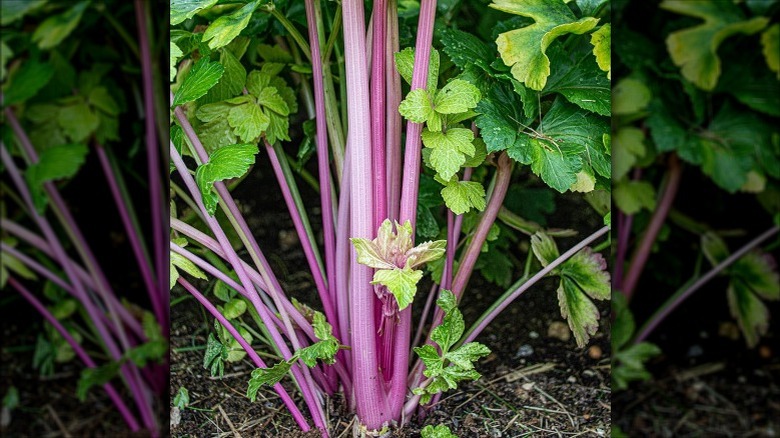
(703, 334)
(588, 373)
(765, 352)
(594, 352)
(695, 351)
(525, 350)
(571, 379)
(528, 386)
(175, 416)
(741, 379)
(728, 330)
(533, 335)
(559, 330)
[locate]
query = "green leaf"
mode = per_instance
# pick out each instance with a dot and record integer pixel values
(630, 96)
(54, 163)
(583, 276)
(418, 106)
(758, 272)
(714, 248)
(480, 153)
(203, 75)
(182, 398)
(695, 49)
(627, 148)
(5, 55)
(270, 98)
(524, 49)
(27, 81)
(185, 9)
(462, 196)
(100, 98)
(224, 29)
(404, 62)
(456, 97)
(770, 43)
(231, 84)
(449, 149)
(580, 312)
(179, 261)
(601, 41)
(78, 121)
(370, 254)
(215, 356)
(544, 248)
(439, 431)
(629, 364)
(589, 271)
(175, 54)
(96, 377)
(427, 227)
(248, 121)
(402, 283)
(750, 312)
(576, 76)
(623, 325)
(451, 328)
(234, 308)
(566, 137)
(56, 28)
(266, 376)
(464, 356)
(11, 398)
(224, 163)
(11, 11)
(632, 196)
(500, 119)
(466, 49)
(425, 252)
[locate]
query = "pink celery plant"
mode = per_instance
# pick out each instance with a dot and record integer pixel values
(374, 184)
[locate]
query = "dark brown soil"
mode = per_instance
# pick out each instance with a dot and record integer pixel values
(532, 384)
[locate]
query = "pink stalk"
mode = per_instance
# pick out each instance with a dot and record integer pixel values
(305, 384)
(393, 100)
(642, 252)
(379, 56)
(409, 192)
(130, 371)
(288, 402)
(159, 236)
(127, 415)
(503, 177)
(413, 156)
(43, 246)
(135, 242)
(624, 222)
(326, 193)
(308, 248)
(372, 408)
(343, 252)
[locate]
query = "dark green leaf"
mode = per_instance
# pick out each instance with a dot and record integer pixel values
(202, 77)
(27, 81)
(95, 377)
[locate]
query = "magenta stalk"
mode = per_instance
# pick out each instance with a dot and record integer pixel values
(159, 236)
(642, 252)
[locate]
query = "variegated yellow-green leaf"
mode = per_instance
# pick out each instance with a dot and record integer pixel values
(524, 49)
(770, 40)
(601, 40)
(695, 49)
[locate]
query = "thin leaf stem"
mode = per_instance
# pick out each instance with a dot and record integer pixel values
(686, 291)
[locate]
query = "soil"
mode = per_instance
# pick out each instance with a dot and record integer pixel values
(533, 384)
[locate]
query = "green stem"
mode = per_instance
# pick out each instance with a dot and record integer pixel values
(289, 27)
